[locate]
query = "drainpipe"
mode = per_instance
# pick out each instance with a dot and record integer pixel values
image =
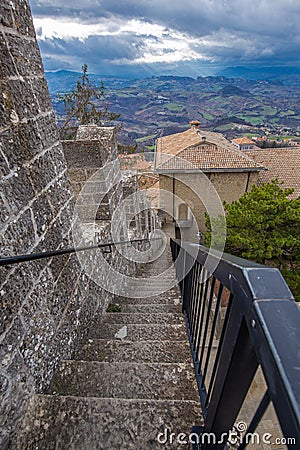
(173, 199)
(248, 181)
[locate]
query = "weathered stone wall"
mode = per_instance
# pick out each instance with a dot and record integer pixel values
(93, 191)
(46, 305)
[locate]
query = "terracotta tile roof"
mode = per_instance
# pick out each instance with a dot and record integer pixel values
(282, 163)
(135, 161)
(200, 150)
(243, 140)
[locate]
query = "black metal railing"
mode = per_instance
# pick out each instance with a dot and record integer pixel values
(261, 327)
(107, 246)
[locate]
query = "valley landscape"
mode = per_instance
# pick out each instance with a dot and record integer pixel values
(157, 106)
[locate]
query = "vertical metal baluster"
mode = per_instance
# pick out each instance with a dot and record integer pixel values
(202, 317)
(213, 329)
(182, 274)
(211, 296)
(187, 287)
(196, 289)
(200, 307)
(213, 375)
(191, 296)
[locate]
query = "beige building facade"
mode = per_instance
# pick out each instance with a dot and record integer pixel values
(194, 168)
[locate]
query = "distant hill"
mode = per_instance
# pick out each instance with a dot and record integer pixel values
(230, 90)
(64, 80)
(286, 75)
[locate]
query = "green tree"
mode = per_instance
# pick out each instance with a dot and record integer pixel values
(264, 226)
(84, 104)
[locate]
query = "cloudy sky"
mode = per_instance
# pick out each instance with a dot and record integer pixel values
(184, 37)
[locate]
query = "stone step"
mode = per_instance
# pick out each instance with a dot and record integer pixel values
(167, 297)
(122, 351)
(150, 308)
(138, 318)
(138, 332)
(76, 423)
(128, 380)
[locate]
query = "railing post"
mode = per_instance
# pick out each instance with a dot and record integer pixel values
(237, 367)
(187, 280)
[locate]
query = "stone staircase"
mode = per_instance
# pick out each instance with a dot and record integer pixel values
(121, 393)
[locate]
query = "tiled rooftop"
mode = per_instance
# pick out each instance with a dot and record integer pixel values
(135, 161)
(243, 140)
(196, 149)
(282, 163)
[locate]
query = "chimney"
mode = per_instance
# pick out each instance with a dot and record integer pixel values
(195, 124)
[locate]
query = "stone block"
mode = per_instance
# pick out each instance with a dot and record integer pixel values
(47, 130)
(13, 339)
(42, 171)
(5, 105)
(18, 237)
(5, 214)
(6, 18)
(18, 190)
(7, 66)
(77, 175)
(59, 194)
(50, 240)
(42, 213)
(4, 165)
(15, 398)
(19, 98)
(26, 55)
(22, 18)
(13, 293)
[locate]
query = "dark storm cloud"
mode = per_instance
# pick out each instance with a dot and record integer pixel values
(132, 32)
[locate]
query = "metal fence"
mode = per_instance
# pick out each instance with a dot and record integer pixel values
(261, 328)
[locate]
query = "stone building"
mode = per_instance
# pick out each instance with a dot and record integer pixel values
(183, 158)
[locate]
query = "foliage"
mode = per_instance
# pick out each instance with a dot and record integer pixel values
(84, 105)
(127, 149)
(113, 307)
(264, 226)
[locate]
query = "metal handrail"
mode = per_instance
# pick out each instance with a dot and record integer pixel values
(5, 261)
(261, 328)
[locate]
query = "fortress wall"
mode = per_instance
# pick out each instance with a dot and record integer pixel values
(47, 304)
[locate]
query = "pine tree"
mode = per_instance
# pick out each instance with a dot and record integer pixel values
(264, 226)
(84, 104)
